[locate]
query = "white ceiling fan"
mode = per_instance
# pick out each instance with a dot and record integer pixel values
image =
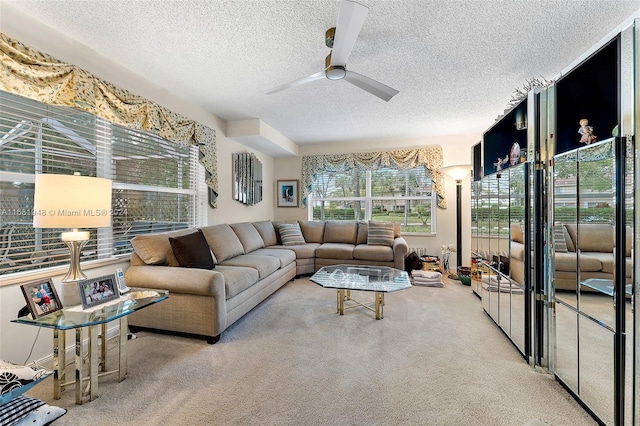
(345, 34)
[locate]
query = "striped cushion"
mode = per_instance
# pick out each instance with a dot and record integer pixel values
(560, 242)
(290, 234)
(380, 234)
(18, 408)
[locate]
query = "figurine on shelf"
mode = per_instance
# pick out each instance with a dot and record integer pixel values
(501, 162)
(587, 132)
(514, 154)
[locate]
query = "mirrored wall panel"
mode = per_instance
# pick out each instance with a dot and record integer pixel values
(247, 178)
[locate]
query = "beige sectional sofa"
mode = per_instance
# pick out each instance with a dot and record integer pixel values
(592, 257)
(251, 262)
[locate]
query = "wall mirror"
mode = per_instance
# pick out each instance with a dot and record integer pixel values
(247, 178)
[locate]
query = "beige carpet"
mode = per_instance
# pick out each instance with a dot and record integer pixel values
(436, 358)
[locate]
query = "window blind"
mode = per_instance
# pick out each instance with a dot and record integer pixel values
(155, 181)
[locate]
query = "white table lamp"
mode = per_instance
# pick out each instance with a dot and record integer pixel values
(72, 201)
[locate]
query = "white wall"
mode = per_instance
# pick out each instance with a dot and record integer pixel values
(456, 150)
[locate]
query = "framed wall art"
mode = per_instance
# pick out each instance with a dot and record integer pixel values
(42, 297)
(287, 193)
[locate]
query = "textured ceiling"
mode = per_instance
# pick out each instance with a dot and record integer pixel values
(456, 63)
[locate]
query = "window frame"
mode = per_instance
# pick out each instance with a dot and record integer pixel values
(369, 200)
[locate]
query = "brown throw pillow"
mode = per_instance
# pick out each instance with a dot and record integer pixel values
(192, 251)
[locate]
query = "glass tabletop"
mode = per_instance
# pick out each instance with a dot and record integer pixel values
(75, 317)
(362, 277)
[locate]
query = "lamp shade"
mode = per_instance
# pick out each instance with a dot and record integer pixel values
(69, 201)
(458, 172)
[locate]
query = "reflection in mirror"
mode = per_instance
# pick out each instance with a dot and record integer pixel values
(566, 362)
(247, 178)
(596, 368)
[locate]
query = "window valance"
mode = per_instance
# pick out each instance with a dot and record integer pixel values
(430, 157)
(38, 76)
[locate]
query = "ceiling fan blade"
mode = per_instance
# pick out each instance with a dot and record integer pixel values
(298, 82)
(376, 88)
(350, 20)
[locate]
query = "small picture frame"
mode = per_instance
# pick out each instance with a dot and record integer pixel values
(96, 291)
(42, 297)
(287, 193)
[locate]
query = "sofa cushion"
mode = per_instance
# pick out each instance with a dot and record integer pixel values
(592, 236)
(302, 251)
(567, 239)
(284, 256)
(516, 250)
(154, 249)
(237, 279)
(312, 230)
(192, 251)
(363, 232)
(265, 265)
(248, 235)
(267, 231)
(223, 241)
(516, 233)
(568, 261)
(380, 234)
(290, 234)
(373, 253)
(340, 232)
(335, 251)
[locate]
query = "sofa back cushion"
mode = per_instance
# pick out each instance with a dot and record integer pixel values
(517, 235)
(248, 236)
(594, 237)
(224, 243)
(363, 232)
(312, 230)
(340, 232)
(154, 249)
(267, 232)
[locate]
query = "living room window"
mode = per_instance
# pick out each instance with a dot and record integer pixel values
(389, 195)
(155, 182)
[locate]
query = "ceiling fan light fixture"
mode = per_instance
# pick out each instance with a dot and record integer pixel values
(336, 72)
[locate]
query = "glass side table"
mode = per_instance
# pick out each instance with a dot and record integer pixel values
(89, 321)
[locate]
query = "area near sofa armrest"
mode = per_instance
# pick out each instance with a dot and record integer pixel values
(154, 249)
(202, 282)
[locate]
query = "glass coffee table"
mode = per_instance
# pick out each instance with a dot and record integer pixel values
(75, 318)
(377, 279)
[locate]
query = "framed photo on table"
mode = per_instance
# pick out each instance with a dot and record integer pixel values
(287, 193)
(42, 297)
(96, 291)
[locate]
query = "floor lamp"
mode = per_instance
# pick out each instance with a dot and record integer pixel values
(72, 201)
(458, 172)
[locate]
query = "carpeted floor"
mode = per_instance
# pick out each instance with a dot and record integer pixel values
(436, 358)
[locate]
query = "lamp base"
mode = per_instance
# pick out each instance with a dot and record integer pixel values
(69, 293)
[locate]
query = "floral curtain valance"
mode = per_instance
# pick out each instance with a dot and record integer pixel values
(38, 76)
(431, 158)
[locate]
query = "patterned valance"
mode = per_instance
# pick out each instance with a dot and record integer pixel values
(38, 76)
(431, 158)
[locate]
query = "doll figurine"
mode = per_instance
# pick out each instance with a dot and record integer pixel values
(501, 162)
(587, 132)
